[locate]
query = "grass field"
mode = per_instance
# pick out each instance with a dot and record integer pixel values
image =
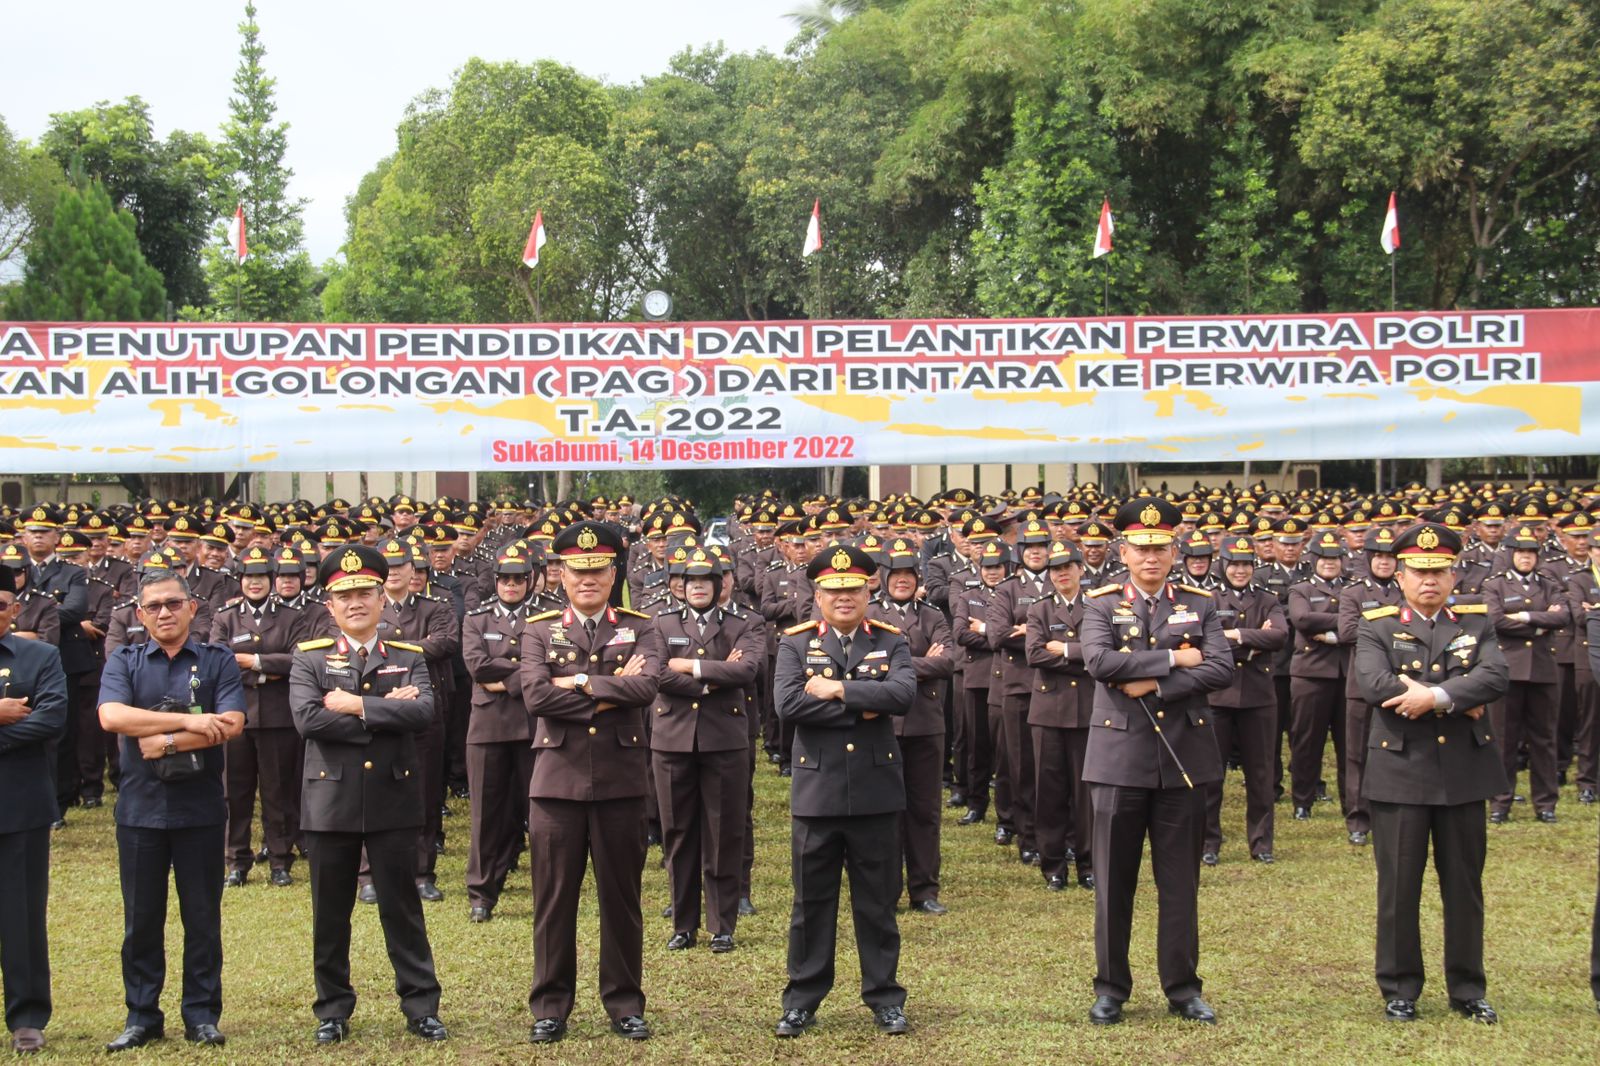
(1004, 978)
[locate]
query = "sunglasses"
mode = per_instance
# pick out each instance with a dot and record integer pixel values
(158, 607)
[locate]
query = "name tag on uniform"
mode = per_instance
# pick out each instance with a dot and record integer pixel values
(818, 660)
(622, 636)
(1515, 599)
(240, 638)
(340, 670)
(678, 641)
(1057, 625)
(494, 636)
(1319, 599)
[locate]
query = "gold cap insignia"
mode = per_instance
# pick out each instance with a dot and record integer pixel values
(1427, 540)
(840, 560)
(1150, 516)
(350, 563)
(587, 539)
(511, 551)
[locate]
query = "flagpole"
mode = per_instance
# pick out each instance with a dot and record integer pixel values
(1393, 306)
(1105, 290)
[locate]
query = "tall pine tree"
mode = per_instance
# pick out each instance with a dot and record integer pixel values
(275, 283)
(85, 266)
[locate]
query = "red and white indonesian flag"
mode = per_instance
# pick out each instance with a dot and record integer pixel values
(1390, 237)
(1102, 235)
(813, 230)
(236, 234)
(530, 251)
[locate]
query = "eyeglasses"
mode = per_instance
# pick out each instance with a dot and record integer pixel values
(5, 605)
(163, 606)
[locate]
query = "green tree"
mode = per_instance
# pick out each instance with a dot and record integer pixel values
(29, 185)
(276, 282)
(163, 184)
(85, 266)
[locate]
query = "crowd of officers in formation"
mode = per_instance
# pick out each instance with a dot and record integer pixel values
(598, 678)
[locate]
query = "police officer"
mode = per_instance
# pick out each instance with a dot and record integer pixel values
(1316, 672)
(589, 673)
(1156, 648)
(359, 701)
(171, 817)
(969, 610)
(700, 750)
(839, 681)
(33, 711)
(499, 753)
(1377, 590)
(1428, 672)
(261, 632)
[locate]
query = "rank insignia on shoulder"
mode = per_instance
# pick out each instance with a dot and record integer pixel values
(1197, 590)
(1471, 608)
(1105, 590)
(545, 615)
(405, 646)
(313, 645)
(801, 628)
(885, 626)
(636, 614)
(1380, 612)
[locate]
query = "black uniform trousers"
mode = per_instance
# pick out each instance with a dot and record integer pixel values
(562, 837)
(1316, 709)
(24, 945)
(701, 796)
(980, 749)
(1254, 730)
(430, 767)
(1018, 739)
(956, 728)
(1527, 712)
(1400, 836)
(1063, 811)
(1285, 716)
(81, 705)
(93, 742)
(335, 859)
(269, 760)
(1586, 734)
(1357, 715)
(1594, 948)
(497, 781)
(919, 822)
(747, 861)
(1174, 819)
(145, 858)
(1566, 714)
(1004, 813)
(867, 848)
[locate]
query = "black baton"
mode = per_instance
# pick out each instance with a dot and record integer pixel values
(1165, 742)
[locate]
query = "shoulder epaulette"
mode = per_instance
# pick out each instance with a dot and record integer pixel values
(486, 608)
(801, 628)
(547, 614)
(1105, 590)
(405, 646)
(636, 614)
(1471, 608)
(1380, 612)
(875, 624)
(1197, 590)
(434, 599)
(774, 564)
(130, 602)
(101, 581)
(313, 645)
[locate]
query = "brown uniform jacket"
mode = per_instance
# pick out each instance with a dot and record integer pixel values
(1529, 647)
(970, 601)
(491, 646)
(1313, 610)
(1263, 631)
(1063, 692)
(583, 753)
(1009, 607)
(1360, 596)
(273, 637)
(923, 627)
(1583, 588)
(711, 713)
(431, 624)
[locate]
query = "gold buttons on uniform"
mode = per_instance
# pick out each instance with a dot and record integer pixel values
(1441, 740)
(546, 740)
(1107, 721)
(408, 773)
(594, 658)
(593, 731)
(1385, 744)
(694, 706)
(699, 651)
(802, 758)
(1416, 664)
(1074, 684)
(1436, 668)
(322, 773)
(849, 747)
(367, 765)
(891, 756)
(1200, 721)
(636, 740)
(366, 685)
(1161, 714)
(1044, 688)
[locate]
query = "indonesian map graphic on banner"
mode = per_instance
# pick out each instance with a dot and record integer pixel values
(124, 397)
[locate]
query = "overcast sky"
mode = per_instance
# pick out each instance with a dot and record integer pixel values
(345, 68)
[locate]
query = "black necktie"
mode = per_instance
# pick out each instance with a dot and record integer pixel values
(844, 644)
(361, 655)
(589, 627)
(700, 623)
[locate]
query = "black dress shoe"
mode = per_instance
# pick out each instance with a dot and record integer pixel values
(722, 943)
(632, 1027)
(1400, 1010)
(774, 757)
(1264, 857)
(652, 839)
(1301, 814)
(429, 892)
(746, 908)
(1547, 817)
(929, 906)
(281, 878)
(204, 1033)
(795, 1022)
(1477, 1010)
(1028, 858)
(785, 772)
(367, 894)
(1210, 858)
(891, 1020)
(262, 856)
(135, 1036)
(1086, 881)
(236, 878)
(26, 1040)
(547, 1031)
(479, 913)
(332, 1030)
(1105, 1011)
(680, 942)
(1193, 1009)
(1499, 817)
(91, 802)
(1586, 795)
(1055, 883)
(1004, 836)
(59, 824)
(1071, 856)
(1359, 838)
(972, 817)
(429, 1027)
(956, 800)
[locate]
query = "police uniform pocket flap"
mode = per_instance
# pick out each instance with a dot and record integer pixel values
(548, 735)
(401, 772)
(886, 754)
(1480, 732)
(315, 772)
(629, 736)
(1385, 738)
(1111, 718)
(803, 758)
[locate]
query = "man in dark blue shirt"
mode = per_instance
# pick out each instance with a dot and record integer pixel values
(33, 712)
(176, 825)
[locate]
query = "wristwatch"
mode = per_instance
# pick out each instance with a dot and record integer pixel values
(581, 683)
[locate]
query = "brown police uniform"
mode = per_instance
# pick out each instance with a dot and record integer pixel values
(1316, 687)
(499, 746)
(1060, 708)
(1245, 710)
